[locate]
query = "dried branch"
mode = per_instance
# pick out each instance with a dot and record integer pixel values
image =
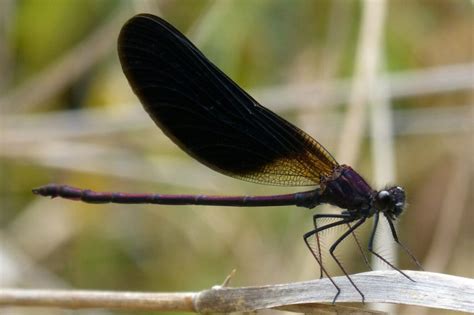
(430, 290)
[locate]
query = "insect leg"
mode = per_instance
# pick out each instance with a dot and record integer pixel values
(333, 248)
(395, 237)
(316, 231)
(371, 244)
(364, 256)
(322, 216)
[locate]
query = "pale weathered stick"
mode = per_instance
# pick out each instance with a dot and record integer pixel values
(430, 290)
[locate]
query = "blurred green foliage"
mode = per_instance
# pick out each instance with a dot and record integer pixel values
(45, 29)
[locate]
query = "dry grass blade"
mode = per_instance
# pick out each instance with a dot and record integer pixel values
(327, 309)
(430, 290)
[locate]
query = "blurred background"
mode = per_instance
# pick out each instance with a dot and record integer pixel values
(386, 86)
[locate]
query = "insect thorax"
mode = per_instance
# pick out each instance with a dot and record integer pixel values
(346, 189)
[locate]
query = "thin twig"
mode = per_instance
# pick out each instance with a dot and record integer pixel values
(367, 61)
(429, 290)
(81, 299)
(402, 84)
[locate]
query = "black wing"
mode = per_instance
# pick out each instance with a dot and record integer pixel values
(208, 115)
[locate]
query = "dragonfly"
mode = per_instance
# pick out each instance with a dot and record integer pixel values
(216, 122)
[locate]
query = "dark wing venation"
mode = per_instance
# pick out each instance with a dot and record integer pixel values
(208, 115)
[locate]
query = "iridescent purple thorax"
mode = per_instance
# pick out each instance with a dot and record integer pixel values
(346, 189)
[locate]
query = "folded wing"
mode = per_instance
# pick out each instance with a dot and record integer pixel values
(208, 115)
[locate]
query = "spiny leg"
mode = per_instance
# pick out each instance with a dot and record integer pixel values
(395, 237)
(366, 260)
(322, 216)
(333, 248)
(371, 244)
(311, 233)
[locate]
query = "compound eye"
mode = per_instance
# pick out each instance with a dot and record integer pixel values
(383, 195)
(398, 208)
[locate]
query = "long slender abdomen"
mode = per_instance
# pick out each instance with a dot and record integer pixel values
(308, 199)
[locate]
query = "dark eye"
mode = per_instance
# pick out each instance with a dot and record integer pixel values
(383, 196)
(398, 208)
